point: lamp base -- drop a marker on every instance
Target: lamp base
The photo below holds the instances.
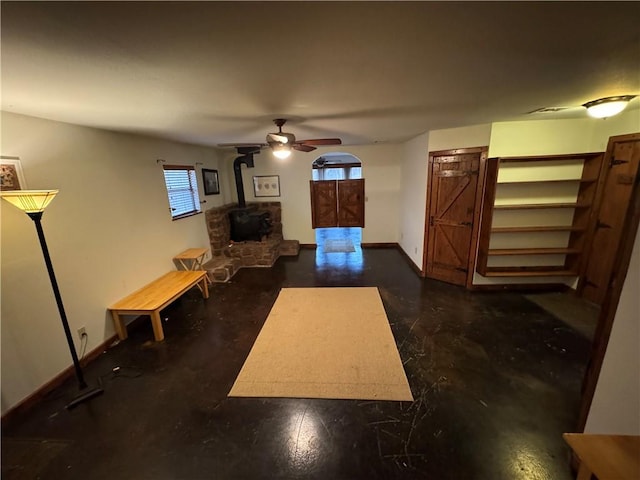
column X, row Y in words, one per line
column 87, row 394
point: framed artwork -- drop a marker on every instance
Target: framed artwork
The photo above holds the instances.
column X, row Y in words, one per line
column 210, row 182
column 266, row 186
column 11, row 176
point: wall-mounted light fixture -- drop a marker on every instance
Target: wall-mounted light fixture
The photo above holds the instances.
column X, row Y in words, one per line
column 608, row 106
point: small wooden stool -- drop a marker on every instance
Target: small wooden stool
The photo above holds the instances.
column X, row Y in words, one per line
column 191, row 260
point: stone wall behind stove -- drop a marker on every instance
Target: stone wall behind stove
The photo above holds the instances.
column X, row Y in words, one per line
column 219, row 227
column 228, row 257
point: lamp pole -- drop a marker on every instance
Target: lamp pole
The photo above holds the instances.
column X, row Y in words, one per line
column 37, row 217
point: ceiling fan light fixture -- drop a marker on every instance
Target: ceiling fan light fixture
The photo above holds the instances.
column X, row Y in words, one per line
column 608, row 106
column 281, row 151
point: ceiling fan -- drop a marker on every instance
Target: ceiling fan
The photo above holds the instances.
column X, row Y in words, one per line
column 281, row 143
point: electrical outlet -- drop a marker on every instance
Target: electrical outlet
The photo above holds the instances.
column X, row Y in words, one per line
column 415, row 250
column 82, row 331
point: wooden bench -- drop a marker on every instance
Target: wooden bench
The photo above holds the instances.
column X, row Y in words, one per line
column 152, row 298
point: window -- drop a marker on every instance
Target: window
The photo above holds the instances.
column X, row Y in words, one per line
column 337, row 172
column 182, row 190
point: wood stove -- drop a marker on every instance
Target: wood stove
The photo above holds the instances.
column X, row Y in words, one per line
column 247, row 224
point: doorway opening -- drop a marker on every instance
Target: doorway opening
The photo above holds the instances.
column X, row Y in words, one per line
column 339, row 247
column 337, row 231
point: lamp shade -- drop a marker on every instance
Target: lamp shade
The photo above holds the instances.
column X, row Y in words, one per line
column 29, row 201
column 608, row 107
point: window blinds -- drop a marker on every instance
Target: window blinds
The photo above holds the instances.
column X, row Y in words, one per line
column 182, row 189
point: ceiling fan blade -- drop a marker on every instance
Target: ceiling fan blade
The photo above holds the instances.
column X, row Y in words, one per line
column 303, row 148
column 321, row 141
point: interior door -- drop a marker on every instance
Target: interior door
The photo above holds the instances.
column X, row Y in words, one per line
column 337, row 203
column 452, row 201
column 351, row 203
column 324, row 204
column 622, row 158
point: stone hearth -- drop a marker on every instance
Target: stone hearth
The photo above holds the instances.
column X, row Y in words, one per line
column 228, row 257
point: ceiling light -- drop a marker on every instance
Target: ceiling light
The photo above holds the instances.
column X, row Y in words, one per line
column 607, row 107
column 282, row 151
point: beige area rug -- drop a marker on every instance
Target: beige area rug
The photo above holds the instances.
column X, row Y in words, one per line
column 325, row 343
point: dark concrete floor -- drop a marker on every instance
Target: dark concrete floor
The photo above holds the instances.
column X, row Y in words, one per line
column 495, row 377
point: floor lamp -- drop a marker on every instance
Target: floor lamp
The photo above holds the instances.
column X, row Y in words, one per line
column 33, row 203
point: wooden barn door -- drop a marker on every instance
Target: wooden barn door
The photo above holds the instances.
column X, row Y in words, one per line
column 337, row 203
column 324, row 204
column 451, row 212
column 351, row 203
column 621, row 161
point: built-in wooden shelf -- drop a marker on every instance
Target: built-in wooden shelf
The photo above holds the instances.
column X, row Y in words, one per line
column 564, row 228
column 534, row 251
column 579, row 232
column 530, row 206
column 547, row 271
column 561, row 180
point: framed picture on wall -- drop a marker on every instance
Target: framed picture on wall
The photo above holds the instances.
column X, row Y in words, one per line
column 11, row 176
column 210, row 182
column 266, row 186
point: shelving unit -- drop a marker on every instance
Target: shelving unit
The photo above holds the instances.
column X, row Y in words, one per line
column 537, row 215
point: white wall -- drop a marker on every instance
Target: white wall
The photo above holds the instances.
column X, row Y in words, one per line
column 413, row 199
column 463, row 137
column 109, row 232
column 615, row 408
column 380, row 169
column 558, row 137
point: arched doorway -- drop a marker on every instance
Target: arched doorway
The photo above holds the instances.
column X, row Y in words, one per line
column 341, row 243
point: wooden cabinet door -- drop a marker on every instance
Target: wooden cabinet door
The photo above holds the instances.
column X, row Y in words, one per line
column 451, row 211
column 622, row 158
column 351, row 203
column 324, row 204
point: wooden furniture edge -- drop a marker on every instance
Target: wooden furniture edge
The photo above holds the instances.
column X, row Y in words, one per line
column 624, row 448
column 29, row 401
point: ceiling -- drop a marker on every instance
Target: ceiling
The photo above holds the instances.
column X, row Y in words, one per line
column 367, row 72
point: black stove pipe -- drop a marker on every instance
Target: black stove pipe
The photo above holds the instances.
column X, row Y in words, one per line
column 247, row 159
